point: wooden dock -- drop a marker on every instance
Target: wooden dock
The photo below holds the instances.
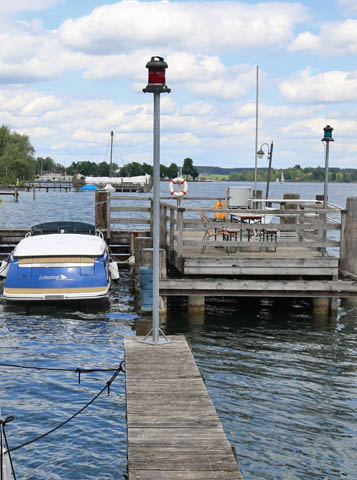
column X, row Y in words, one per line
column 173, row 429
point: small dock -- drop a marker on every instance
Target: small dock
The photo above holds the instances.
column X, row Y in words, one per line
column 14, row 193
column 173, row 429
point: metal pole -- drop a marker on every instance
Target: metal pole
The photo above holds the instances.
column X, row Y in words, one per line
column 111, row 154
column 324, row 232
column 327, row 151
column 270, row 154
column 156, row 221
column 256, row 134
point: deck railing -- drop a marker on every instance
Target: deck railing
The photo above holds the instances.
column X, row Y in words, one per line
column 299, row 223
column 302, row 227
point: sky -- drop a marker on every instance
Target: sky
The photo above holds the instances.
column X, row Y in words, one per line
column 73, row 70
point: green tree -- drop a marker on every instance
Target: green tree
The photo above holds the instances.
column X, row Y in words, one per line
column 172, row 171
column 148, row 169
column 103, row 169
column 163, row 171
column 16, row 156
column 133, row 169
column 189, row 169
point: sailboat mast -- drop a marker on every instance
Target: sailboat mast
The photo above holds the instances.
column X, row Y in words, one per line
column 111, row 154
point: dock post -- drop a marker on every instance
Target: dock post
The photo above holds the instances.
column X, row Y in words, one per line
column 33, row 192
column 163, row 227
column 16, row 195
column 179, row 229
column 101, row 210
column 140, row 244
column 290, row 206
column 147, row 259
column 196, row 303
column 321, row 306
column 333, row 306
column 348, row 255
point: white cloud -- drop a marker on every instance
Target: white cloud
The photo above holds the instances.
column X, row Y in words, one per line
column 348, row 5
column 197, row 27
column 15, row 6
column 333, row 86
column 305, row 41
column 333, row 39
column 28, row 55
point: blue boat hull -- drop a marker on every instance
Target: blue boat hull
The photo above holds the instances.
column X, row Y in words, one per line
column 36, row 282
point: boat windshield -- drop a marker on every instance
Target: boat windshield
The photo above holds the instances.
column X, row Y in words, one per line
column 63, row 227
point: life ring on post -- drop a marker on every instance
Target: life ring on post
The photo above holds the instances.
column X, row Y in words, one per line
column 220, row 216
column 182, row 187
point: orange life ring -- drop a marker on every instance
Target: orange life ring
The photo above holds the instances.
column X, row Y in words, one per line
column 182, row 187
column 220, row 205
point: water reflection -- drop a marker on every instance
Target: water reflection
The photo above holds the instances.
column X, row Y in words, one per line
column 283, row 383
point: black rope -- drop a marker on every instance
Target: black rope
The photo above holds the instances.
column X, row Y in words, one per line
column 107, row 386
column 77, row 370
column 3, row 436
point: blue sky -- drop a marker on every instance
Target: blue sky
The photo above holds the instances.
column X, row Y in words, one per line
column 73, row 70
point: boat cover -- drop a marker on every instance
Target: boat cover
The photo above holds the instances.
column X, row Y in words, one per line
column 58, row 244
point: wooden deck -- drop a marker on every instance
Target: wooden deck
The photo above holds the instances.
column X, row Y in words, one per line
column 173, row 429
column 254, row 258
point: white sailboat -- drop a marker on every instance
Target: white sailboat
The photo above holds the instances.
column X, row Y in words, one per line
column 282, row 177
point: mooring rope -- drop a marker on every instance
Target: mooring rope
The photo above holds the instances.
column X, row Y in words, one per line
column 106, row 387
column 3, row 436
column 54, row 369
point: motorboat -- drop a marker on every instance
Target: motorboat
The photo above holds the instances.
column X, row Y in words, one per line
column 59, row 261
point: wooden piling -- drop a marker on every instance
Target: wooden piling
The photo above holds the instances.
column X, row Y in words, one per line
column 290, row 206
column 196, row 303
column 348, row 255
column 102, row 207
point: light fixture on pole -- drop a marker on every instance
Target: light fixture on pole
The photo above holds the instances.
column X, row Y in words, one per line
column 327, row 138
column 260, row 155
column 156, row 85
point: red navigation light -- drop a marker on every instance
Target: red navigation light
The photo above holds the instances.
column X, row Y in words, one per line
column 156, row 73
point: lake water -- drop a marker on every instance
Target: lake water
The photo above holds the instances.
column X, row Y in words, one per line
column 282, row 381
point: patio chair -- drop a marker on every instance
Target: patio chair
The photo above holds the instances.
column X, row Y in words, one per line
column 209, row 233
column 269, row 234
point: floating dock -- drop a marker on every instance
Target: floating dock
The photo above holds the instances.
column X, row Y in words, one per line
column 173, row 429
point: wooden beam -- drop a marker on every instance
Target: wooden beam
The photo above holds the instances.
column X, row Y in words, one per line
column 274, row 288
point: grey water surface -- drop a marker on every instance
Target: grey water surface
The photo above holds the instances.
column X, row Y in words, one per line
column 282, row 381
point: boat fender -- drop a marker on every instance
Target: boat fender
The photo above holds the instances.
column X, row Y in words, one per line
column 182, row 187
column 114, row 270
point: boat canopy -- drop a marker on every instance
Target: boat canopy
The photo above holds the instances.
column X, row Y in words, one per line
column 58, row 244
column 63, row 227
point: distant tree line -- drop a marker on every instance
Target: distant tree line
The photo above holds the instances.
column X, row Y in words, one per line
column 133, row 169
column 297, row 174
column 17, row 163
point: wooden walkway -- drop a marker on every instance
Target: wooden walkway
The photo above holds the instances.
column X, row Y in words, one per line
column 173, row 429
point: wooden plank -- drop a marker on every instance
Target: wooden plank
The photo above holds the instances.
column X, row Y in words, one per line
column 260, row 244
column 173, row 428
column 254, row 261
column 138, row 221
column 215, row 285
column 328, row 272
column 182, row 475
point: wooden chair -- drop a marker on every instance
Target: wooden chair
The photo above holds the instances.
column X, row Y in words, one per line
column 208, row 232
